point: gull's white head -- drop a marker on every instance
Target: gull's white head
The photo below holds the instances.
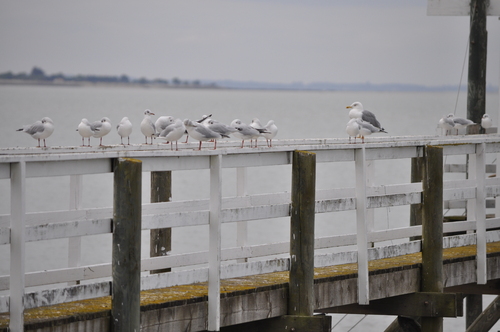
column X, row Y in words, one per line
column 148, row 112
column 356, row 105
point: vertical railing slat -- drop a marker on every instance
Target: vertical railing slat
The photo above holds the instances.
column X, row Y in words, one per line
column 17, row 244
column 481, row 214
column 214, row 255
column 362, row 236
column 75, row 203
column 241, row 227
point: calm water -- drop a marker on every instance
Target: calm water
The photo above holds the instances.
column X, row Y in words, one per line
column 297, row 114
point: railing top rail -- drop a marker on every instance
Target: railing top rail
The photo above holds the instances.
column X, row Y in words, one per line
column 30, row 154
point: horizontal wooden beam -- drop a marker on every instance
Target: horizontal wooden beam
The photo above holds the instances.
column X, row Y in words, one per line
column 424, row 304
column 492, row 287
column 318, row 323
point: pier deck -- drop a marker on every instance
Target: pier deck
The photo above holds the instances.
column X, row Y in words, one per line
column 251, row 298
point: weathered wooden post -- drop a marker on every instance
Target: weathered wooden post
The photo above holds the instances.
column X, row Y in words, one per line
column 160, row 238
column 432, row 230
column 301, row 291
column 478, row 40
column 126, row 255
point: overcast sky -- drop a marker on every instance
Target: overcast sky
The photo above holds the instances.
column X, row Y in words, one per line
column 282, row 41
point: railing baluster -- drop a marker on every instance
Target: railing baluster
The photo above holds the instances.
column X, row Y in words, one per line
column 75, row 203
column 17, row 244
column 362, row 237
column 481, row 214
column 241, row 227
column 214, row 255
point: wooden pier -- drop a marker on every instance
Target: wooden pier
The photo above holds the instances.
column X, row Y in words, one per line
column 420, row 278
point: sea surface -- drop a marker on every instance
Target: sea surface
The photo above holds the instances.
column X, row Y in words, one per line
column 298, row 114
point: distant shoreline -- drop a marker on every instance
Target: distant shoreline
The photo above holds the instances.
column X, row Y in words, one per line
column 250, row 86
column 102, row 84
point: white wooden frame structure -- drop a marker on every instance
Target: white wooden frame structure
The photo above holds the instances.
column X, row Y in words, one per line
column 61, row 286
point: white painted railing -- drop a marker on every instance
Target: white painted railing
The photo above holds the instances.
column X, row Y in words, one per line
column 81, row 282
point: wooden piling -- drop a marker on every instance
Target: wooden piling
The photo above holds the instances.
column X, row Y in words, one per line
column 478, row 40
column 126, row 255
column 301, row 291
column 432, row 230
column 160, row 238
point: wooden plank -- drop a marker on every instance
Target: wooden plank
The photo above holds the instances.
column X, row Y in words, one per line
column 487, row 318
column 68, row 167
column 362, row 238
column 416, row 304
column 214, row 255
column 17, row 244
column 481, row 215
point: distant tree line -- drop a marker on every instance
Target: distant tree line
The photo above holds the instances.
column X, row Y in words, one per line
column 38, row 74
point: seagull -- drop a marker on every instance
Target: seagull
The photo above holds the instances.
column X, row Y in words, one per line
column 162, row 122
column 352, row 129
column 86, row 130
column 39, row 130
column 124, row 129
column 101, row 128
column 272, row 131
column 246, row 132
column 486, row 121
column 173, row 133
column 201, row 133
column 357, row 111
column 460, row 122
column 366, row 129
column 202, row 120
column 446, row 123
column 147, row 126
column 257, row 125
column 219, row 127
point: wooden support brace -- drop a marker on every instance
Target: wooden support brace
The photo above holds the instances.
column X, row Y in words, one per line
column 487, row 318
column 416, row 304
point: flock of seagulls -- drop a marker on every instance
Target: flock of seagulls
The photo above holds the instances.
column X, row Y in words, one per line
column 166, row 128
column 450, row 122
column 362, row 123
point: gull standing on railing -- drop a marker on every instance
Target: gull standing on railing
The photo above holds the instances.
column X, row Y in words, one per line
column 357, row 111
column 201, row 133
column 173, row 133
column 39, row 130
column 272, row 131
column 147, row 126
column 85, row 130
column 124, row 129
column 101, row 128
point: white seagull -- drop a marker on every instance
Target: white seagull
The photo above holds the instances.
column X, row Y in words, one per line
column 352, row 129
column 460, row 122
column 85, row 130
column 366, row 129
column 446, row 123
column 202, row 120
column 201, row 133
column 246, row 132
column 147, row 126
column 39, row 130
column 163, row 122
column 173, row 133
column 486, row 121
column 124, row 129
column 101, row 128
column 357, row 111
column 219, row 127
column 272, row 131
